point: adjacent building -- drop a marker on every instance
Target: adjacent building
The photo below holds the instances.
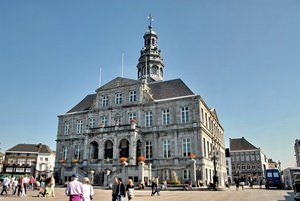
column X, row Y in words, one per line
column 246, row 159
column 1, row 161
column 29, row 159
column 133, row 126
column 297, row 152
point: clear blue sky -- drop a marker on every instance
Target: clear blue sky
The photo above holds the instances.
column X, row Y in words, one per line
column 241, row 56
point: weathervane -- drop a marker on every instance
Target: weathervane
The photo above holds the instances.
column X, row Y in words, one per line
column 150, row 21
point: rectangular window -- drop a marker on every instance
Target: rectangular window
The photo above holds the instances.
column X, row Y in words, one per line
column 66, row 128
column 132, row 116
column 46, row 159
column 165, row 117
column 206, row 119
column 148, row 150
column 132, row 96
column 79, row 126
column 204, row 147
column 148, row 119
column 105, row 101
column 92, row 122
column 166, row 148
column 186, row 147
column 242, row 157
column 77, row 152
column 64, row 153
column 104, row 121
column 185, row 115
column 118, row 98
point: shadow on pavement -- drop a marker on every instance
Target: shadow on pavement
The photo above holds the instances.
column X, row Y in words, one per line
column 288, row 197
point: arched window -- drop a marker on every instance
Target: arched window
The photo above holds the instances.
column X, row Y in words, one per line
column 108, row 150
column 154, row 70
column 94, row 150
column 124, row 148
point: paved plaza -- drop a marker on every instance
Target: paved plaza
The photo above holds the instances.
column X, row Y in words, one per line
column 231, row 194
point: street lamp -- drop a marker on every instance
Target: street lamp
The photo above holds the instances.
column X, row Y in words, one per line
column 108, row 171
column 214, row 154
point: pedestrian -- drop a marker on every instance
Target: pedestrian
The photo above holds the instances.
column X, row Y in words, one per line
column 88, row 190
column 130, row 189
column 31, row 183
column 14, row 186
column 52, row 185
column 5, row 184
column 121, row 190
column 155, row 186
column 114, row 189
column 243, row 182
column 260, row 182
column 74, row 189
column 237, row 183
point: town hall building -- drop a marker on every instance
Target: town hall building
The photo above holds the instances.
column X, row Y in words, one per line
column 141, row 128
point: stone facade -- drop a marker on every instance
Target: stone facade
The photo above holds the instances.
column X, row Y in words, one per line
column 163, row 121
column 246, row 159
column 29, row 159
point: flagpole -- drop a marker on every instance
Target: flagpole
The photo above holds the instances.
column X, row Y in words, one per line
column 122, row 75
column 100, row 77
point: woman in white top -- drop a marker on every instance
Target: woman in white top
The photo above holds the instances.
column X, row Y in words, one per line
column 88, row 190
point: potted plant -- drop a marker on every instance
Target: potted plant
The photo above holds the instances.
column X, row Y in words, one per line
column 141, row 158
column 133, row 123
column 193, row 156
column 123, row 159
column 62, row 161
column 75, row 161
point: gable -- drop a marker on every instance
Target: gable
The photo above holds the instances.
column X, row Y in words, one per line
column 118, row 82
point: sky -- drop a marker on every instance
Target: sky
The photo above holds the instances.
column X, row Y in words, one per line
column 240, row 56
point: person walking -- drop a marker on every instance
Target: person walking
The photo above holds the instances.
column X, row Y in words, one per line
column 74, row 189
column 52, row 185
column 88, row 190
column 121, row 190
column 5, row 184
column 237, row 183
column 114, row 189
column 130, row 189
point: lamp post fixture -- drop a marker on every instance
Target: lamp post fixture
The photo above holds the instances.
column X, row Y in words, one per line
column 214, row 154
column 108, row 171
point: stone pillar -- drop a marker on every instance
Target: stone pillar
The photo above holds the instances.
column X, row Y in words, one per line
column 193, row 176
column 132, row 148
column 141, row 172
column 86, row 151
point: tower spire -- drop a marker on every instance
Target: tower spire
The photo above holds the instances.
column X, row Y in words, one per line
column 150, row 21
column 150, row 66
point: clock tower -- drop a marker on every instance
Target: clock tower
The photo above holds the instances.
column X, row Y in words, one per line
column 150, row 66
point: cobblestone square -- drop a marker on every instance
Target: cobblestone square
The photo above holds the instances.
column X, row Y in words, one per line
column 231, row 194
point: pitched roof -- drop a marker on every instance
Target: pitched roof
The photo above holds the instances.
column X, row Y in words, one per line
column 38, row 148
column 85, row 104
column 240, row 144
column 169, row 89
